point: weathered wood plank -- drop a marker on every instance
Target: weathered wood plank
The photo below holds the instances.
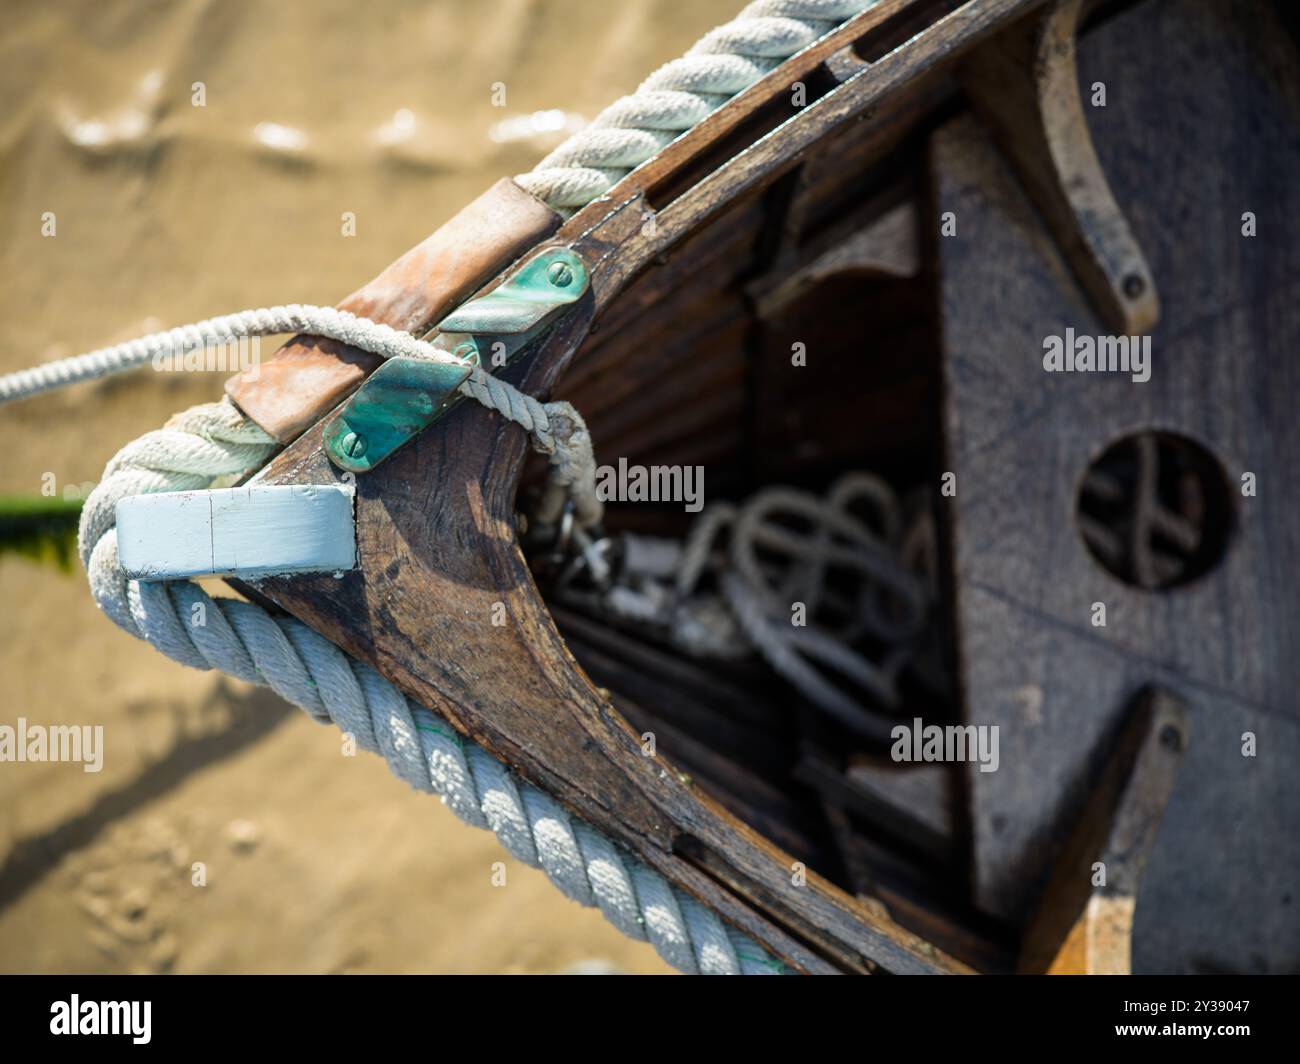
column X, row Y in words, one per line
column 1084, row 923
column 1195, row 132
column 308, row 376
column 436, row 535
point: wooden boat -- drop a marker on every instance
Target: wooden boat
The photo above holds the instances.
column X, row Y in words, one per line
column 915, row 222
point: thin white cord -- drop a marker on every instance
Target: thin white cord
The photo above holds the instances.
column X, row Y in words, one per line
column 215, row 440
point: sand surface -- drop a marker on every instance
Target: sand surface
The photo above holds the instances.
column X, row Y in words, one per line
column 166, row 212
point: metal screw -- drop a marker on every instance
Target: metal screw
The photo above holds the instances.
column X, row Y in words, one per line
column 560, row 275
column 1134, row 285
column 1171, row 738
column 353, row 445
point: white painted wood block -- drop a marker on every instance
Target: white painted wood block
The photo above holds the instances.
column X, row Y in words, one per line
column 248, row 532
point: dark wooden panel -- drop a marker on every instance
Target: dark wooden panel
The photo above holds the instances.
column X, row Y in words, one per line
column 1200, row 126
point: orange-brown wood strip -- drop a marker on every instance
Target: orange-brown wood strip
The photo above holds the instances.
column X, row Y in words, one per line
column 309, row 376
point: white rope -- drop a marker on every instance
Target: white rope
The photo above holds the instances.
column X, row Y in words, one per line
column 557, row 429
column 242, row 639
column 216, row 440
column 269, row 321
column 680, row 95
column 199, row 446
column 765, row 566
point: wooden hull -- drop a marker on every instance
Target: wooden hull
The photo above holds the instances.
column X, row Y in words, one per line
column 770, row 226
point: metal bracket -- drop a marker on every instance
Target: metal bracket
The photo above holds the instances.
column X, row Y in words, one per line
column 1025, row 83
column 405, row 396
column 399, row 400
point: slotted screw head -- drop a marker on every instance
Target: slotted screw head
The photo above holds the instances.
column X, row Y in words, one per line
column 353, row 445
column 560, row 275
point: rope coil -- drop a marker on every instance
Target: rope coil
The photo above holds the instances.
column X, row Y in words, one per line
column 761, row 563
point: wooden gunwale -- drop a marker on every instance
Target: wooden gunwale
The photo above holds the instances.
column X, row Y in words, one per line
column 441, row 515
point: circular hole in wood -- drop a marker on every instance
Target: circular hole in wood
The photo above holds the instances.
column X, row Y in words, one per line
column 1155, row 510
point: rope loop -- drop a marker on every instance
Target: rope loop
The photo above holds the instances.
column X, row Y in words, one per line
column 207, row 443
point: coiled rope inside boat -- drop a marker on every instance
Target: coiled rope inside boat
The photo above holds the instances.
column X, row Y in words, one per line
column 205, row 443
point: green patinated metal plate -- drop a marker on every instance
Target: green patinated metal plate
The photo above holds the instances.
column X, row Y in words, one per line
column 404, row 396
column 401, row 398
column 500, row 324
column 554, row 278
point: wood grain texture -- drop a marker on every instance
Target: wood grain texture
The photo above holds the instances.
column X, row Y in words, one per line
column 435, row 531
column 1197, row 130
column 309, row 376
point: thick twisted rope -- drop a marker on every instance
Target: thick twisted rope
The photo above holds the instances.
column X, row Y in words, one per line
column 209, row 442
column 556, row 429
column 206, row 443
column 680, row 95
column 674, row 99
column 216, row 440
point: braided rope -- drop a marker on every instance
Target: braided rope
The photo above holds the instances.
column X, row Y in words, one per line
column 756, row 604
column 680, row 95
